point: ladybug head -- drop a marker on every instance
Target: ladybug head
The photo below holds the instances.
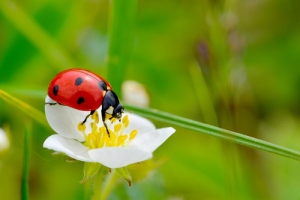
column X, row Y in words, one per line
column 118, row 111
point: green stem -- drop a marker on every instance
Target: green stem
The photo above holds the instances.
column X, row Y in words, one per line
column 24, row 189
column 98, row 183
column 109, row 183
column 214, row 131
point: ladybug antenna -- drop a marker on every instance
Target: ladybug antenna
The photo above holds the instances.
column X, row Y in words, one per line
column 127, row 112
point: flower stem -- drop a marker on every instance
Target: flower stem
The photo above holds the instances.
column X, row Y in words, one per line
column 98, row 183
column 109, row 183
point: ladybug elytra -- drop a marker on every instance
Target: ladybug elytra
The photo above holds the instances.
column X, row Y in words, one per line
column 84, row 90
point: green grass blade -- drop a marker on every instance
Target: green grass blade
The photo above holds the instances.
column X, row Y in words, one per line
column 24, row 189
column 203, row 95
column 121, row 36
column 214, row 131
column 198, row 127
column 31, row 111
column 36, row 34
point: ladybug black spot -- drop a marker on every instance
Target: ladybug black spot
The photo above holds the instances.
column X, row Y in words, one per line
column 55, row 90
column 78, row 81
column 102, row 85
column 80, row 100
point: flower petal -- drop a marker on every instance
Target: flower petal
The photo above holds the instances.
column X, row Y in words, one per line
column 142, row 125
column 71, row 147
column 116, row 157
column 64, row 120
column 150, row 141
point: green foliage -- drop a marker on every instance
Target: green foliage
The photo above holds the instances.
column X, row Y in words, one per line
column 121, row 40
column 124, row 174
column 230, row 64
column 90, row 170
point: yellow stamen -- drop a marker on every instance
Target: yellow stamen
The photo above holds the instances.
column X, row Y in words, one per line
column 133, row 134
column 92, row 138
column 121, row 140
column 81, row 127
column 125, row 121
column 94, row 128
column 95, row 117
column 98, row 138
column 105, row 140
column 102, row 129
column 118, row 127
column 112, row 136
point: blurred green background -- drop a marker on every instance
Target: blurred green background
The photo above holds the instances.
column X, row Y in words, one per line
column 232, row 64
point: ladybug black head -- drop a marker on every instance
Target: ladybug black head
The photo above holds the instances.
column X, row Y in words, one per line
column 118, row 111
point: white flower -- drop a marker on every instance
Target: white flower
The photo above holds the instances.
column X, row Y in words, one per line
column 4, row 142
column 128, row 143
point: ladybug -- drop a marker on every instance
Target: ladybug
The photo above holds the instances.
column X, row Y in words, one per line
column 84, row 90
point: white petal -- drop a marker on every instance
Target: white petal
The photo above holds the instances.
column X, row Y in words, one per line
column 64, row 120
column 116, row 157
column 150, row 141
column 71, row 147
column 139, row 123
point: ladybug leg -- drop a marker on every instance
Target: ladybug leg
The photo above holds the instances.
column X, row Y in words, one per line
column 106, row 129
column 103, row 120
column 92, row 112
column 51, row 104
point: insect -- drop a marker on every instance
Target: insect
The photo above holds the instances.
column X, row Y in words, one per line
column 84, row 90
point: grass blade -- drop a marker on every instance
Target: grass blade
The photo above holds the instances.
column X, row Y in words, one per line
column 31, row 111
column 24, row 189
column 121, row 35
column 214, row 131
column 199, row 127
column 36, row 34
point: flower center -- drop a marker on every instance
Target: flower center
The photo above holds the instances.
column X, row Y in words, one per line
column 98, row 138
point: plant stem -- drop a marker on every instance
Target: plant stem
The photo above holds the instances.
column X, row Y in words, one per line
column 98, row 183
column 24, row 189
column 109, row 183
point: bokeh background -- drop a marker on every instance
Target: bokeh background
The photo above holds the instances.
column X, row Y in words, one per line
column 232, row 64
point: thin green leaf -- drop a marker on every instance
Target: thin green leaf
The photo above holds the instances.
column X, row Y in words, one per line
column 121, row 36
column 24, row 189
column 36, row 34
column 203, row 95
column 214, row 131
column 31, row 111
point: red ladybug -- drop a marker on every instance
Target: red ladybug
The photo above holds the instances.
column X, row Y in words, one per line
column 86, row 91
